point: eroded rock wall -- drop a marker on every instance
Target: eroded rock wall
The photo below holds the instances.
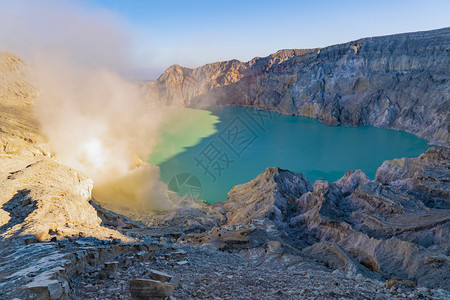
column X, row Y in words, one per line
column 388, row 227
column 398, row 81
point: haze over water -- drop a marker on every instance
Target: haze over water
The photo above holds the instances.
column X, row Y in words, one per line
column 247, row 141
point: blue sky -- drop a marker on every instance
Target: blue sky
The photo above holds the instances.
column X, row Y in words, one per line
column 152, row 35
column 192, row 33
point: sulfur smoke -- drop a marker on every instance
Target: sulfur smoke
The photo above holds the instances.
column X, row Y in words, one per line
column 95, row 121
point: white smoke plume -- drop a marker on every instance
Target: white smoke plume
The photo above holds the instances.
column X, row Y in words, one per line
column 95, row 120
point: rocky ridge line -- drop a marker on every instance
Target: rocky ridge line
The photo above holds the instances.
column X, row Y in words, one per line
column 397, row 81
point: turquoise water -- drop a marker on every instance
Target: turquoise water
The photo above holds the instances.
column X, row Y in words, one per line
column 183, row 127
column 247, row 141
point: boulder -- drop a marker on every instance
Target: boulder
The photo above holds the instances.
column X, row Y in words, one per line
column 148, row 289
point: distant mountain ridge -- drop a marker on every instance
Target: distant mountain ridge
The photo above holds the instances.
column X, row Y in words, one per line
column 398, row 81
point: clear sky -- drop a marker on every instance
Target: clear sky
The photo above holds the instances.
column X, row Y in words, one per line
column 192, row 33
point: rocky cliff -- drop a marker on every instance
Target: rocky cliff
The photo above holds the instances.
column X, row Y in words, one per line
column 393, row 226
column 399, row 81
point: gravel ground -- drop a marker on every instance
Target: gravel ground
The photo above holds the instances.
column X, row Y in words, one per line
column 206, row 274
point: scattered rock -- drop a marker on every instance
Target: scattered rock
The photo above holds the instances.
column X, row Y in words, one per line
column 110, row 269
column 147, row 288
column 398, row 283
column 160, row 276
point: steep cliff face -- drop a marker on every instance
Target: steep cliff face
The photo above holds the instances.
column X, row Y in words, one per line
column 183, row 86
column 398, row 81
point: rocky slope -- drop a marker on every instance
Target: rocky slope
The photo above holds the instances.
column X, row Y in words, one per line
column 19, row 132
column 199, row 273
column 279, row 236
column 395, row 228
column 381, row 227
column 40, row 199
column 399, row 81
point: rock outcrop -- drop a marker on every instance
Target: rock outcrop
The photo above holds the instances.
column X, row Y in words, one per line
column 383, row 228
column 19, row 129
column 425, row 176
column 270, row 195
column 399, row 81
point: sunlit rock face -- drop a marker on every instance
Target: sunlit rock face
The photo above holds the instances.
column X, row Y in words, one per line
column 184, row 86
column 19, row 132
column 38, row 196
column 398, row 81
